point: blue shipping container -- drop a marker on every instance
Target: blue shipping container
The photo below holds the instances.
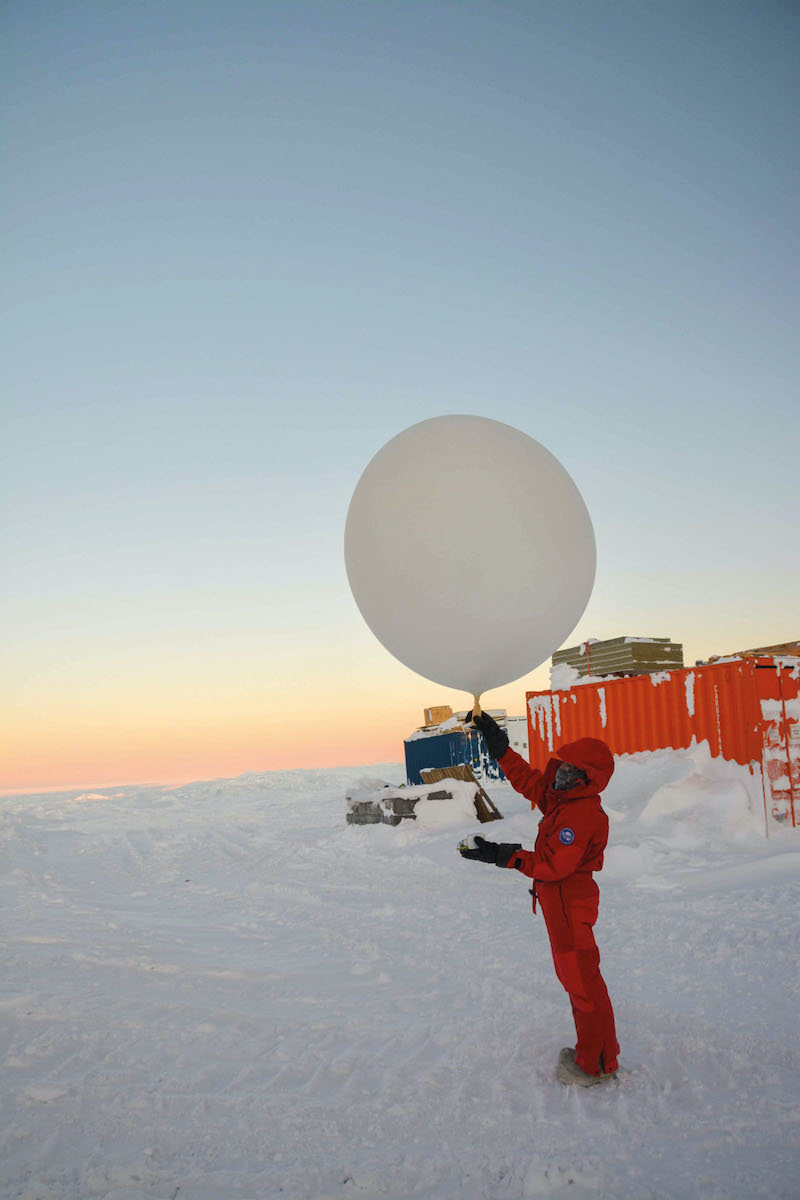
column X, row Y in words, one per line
column 449, row 750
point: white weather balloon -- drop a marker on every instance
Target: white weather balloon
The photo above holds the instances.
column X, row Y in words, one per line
column 469, row 551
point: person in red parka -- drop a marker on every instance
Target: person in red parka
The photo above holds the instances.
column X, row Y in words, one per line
column 573, row 833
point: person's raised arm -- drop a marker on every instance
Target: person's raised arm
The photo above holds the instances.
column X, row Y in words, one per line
column 525, row 779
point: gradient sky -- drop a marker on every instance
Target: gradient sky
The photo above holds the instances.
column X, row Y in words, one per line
column 247, row 243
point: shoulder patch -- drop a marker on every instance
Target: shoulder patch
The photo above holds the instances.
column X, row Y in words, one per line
column 566, row 836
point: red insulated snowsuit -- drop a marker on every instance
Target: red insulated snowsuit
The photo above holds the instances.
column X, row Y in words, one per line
column 572, row 836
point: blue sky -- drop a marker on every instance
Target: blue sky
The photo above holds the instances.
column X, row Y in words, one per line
column 248, row 243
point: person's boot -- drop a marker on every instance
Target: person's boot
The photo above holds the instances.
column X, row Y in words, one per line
column 568, row 1070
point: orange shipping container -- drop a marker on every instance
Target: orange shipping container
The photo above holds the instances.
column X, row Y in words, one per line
column 748, row 710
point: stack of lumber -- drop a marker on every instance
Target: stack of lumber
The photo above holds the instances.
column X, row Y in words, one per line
column 623, row 656
column 790, row 649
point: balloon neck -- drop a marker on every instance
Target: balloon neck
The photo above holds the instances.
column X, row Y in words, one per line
column 476, row 706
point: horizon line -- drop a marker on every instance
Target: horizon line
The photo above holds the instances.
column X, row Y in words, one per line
column 50, row 789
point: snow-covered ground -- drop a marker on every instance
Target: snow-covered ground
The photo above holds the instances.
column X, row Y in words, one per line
column 221, row 992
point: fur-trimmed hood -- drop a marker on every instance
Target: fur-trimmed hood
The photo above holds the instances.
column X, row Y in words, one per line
column 592, row 756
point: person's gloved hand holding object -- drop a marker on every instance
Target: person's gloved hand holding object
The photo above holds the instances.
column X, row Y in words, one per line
column 498, row 853
column 496, row 738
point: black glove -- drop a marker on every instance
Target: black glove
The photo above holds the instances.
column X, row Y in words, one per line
column 491, row 852
column 496, row 738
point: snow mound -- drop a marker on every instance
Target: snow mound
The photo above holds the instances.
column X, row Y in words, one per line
column 453, row 814
column 678, row 808
column 714, row 807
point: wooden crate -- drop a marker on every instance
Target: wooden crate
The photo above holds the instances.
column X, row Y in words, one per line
column 437, row 714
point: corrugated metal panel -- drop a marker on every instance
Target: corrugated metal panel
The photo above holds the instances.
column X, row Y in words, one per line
column 778, row 696
column 719, row 703
column 448, row 750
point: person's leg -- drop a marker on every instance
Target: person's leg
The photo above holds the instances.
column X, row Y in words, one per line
column 577, row 963
column 597, row 1047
